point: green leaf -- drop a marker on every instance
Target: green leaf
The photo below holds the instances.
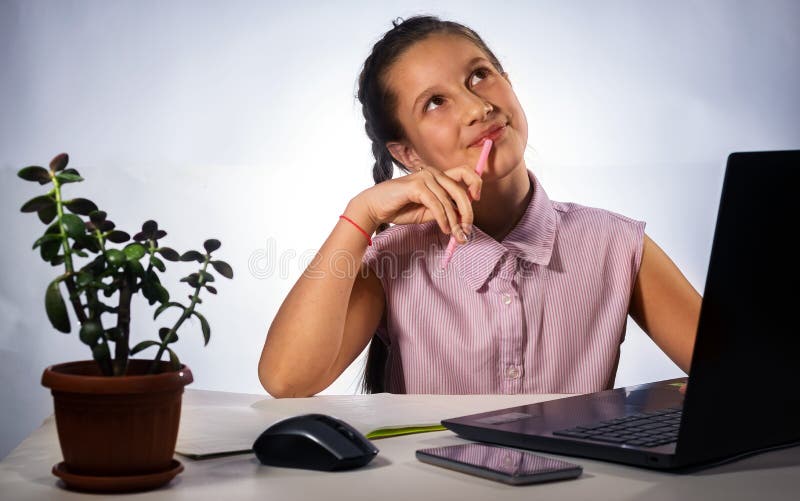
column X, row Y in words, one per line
column 164, row 332
column 193, row 279
column 136, row 267
column 118, row 237
column 83, row 279
column 59, row 162
column 34, row 173
column 53, row 229
column 50, row 249
column 173, row 360
column 163, row 294
column 211, row 245
column 73, row 225
column 192, row 256
column 164, row 306
column 69, row 176
column 114, row 334
column 134, row 251
column 97, row 216
column 115, row 257
column 212, row 290
column 57, row 260
column 47, row 214
column 91, row 332
column 82, row 206
column 204, row 325
column 149, row 228
column 97, row 266
column 144, row 345
column 100, row 352
column 56, row 308
column 149, row 290
column 48, row 237
column 159, row 264
column 92, row 244
column 37, row 203
column 169, row 254
column 223, row 268
column 207, row 277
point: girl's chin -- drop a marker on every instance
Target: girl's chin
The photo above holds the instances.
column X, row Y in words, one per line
column 500, row 165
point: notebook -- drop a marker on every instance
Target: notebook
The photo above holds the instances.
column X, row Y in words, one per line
column 742, row 395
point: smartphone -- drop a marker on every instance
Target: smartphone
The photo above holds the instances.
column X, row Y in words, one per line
column 510, row 466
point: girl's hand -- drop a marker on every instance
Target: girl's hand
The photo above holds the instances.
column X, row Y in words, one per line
column 426, row 195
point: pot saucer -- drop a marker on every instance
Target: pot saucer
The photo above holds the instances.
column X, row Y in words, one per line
column 122, row 483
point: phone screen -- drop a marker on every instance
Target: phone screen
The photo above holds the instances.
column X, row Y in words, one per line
column 499, row 463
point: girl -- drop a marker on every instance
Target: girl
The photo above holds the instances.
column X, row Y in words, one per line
column 536, row 296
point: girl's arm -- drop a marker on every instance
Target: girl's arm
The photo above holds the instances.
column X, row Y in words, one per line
column 328, row 317
column 332, row 311
column 665, row 305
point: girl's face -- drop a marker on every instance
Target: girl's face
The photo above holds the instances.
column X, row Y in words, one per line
column 448, row 96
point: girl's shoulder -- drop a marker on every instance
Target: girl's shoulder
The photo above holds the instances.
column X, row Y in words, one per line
column 571, row 213
column 589, row 229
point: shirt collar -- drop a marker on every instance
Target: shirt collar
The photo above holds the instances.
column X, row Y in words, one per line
column 531, row 239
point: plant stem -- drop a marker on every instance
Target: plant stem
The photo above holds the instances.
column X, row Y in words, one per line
column 186, row 314
column 91, row 292
column 124, row 326
column 69, row 281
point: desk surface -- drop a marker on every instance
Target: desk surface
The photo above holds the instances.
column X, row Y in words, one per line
column 396, row 474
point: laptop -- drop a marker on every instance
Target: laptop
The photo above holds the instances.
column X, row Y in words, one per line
column 743, row 393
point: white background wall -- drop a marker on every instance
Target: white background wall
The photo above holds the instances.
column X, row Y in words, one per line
column 237, row 120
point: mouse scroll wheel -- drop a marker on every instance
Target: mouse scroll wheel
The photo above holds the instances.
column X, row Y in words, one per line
column 344, row 431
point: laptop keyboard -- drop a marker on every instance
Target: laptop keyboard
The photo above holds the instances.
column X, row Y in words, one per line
column 645, row 429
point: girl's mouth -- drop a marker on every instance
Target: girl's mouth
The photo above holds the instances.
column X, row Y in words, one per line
column 494, row 135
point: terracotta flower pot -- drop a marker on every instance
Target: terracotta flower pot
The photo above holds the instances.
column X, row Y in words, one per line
column 116, row 433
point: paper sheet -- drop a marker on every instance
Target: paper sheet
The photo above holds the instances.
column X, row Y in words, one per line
column 213, row 430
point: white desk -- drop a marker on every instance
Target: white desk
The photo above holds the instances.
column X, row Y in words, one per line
column 396, row 474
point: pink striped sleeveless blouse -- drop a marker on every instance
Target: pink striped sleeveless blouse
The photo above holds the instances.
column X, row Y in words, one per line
column 543, row 311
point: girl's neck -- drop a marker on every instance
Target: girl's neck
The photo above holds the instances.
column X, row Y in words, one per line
column 503, row 203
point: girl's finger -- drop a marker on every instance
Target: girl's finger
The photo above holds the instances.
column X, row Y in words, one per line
column 432, row 183
column 460, row 197
column 469, row 177
column 426, row 198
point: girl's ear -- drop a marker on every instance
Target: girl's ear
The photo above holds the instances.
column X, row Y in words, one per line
column 404, row 154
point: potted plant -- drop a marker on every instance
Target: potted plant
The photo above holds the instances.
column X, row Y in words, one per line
column 117, row 417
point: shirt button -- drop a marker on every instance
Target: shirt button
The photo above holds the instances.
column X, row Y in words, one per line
column 506, row 298
column 513, row 372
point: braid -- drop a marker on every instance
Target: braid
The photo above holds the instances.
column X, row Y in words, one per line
column 383, row 169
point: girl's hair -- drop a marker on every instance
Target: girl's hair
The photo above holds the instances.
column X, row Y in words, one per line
column 381, row 124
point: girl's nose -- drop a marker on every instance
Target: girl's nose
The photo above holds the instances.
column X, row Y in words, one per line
column 475, row 108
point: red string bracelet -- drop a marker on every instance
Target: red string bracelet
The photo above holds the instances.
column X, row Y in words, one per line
column 369, row 240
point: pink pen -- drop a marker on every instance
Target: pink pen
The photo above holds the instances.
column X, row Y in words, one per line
column 451, row 246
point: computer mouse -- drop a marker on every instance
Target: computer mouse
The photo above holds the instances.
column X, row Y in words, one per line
column 313, row 442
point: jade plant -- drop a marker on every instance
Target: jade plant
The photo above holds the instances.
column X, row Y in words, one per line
column 102, row 264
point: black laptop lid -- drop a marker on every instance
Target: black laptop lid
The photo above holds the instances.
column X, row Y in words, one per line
column 744, row 387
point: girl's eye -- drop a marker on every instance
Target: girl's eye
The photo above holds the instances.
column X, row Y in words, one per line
column 481, row 72
column 431, row 101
